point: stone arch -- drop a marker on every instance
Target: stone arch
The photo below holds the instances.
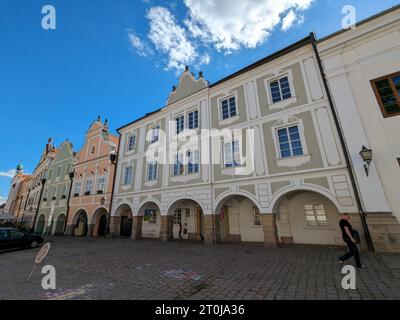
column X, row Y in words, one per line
column 307, row 216
column 99, row 221
column 80, row 223
column 59, row 225
column 121, row 221
column 148, row 220
column 283, row 192
column 187, row 219
column 239, row 217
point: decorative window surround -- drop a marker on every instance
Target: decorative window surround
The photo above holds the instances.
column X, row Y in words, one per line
column 283, row 103
column 155, row 133
column 230, row 119
column 150, row 183
column 295, row 161
column 130, row 145
column 186, row 177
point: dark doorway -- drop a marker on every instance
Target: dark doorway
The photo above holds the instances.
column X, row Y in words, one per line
column 102, row 226
column 126, row 227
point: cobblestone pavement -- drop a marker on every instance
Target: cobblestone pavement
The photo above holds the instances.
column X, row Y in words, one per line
column 89, row 268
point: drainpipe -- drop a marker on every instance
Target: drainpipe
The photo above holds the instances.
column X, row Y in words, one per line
column 40, row 201
column 115, row 162
column 71, row 177
column 343, row 143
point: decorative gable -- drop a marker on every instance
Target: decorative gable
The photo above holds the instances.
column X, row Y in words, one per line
column 188, row 85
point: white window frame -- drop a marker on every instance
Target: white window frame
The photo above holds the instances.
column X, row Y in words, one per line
column 188, row 118
column 289, row 141
column 78, row 187
column 148, row 171
column 283, row 103
column 125, row 182
column 197, row 159
column 224, row 162
column 128, row 144
column 103, row 186
column 152, row 130
column 180, row 116
column 86, row 185
column 179, row 156
column 315, row 215
column 220, row 113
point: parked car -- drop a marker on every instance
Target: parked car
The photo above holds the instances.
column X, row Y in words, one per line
column 11, row 238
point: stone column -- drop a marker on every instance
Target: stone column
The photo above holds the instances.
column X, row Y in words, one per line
column 166, row 229
column 70, row 230
column 211, row 229
column 136, row 228
column 90, row 230
column 114, row 226
column 270, row 230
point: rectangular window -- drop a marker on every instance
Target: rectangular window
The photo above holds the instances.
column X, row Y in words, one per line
column 128, row 176
column 78, row 188
column 232, row 154
column 152, row 171
column 228, row 108
column 315, row 215
column 101, row 183
column 180, row 124
column 256, row 218
column 59, row 171
column 290, row 142
column 155, row 134
column 193, row 161
column 64, row 192
column 387, row 92
column 178, row 216
column 178, row 165
column 131, row 142
column 89, row 186
column 280, row 89
column 193, row 119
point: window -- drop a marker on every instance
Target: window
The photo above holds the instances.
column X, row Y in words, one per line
column 228, row 108
column 152, row 171
column 290, row 142
column 150, row 216
column 154, row 134
column 193, row 163
column 180, row 124
column 46, row 192
column 232, row 154
column 387, row 92
column 64, row 192
column 178, row 165
column 78, row 188
column 193, row 119
column 89, row 186
column 101, row 183
column 128, row 175
column 59, row 171
column 68, row 169
column 50, row 173
column 280, row 89
column 315, row 215
column 131, row 142
column 178, row 216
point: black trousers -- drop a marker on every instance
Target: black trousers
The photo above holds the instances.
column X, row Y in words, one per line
column 353, row 252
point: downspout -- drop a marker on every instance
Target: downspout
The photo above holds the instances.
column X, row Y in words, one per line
column 113, row 187
column 71, row 177
column 343, row 143
column 40, row 202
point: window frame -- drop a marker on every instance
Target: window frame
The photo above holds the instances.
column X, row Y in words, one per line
column 86, row 185
column 193, row 111
column 221, row 100
column 124, row 180
column 148, row 171
column 190, row 154
column 315, row 215
column 378, row 97
column 152, row 129
column 179, row 116
column 278, row 79
column 287, row 127
column 233, row 163
column 128, row 142
column 103, row 189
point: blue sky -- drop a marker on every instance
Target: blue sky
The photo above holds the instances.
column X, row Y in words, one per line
column 119, row 59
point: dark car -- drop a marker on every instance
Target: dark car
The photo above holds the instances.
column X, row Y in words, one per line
column 11, row 238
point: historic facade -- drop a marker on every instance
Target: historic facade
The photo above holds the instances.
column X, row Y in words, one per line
column 363, row 71
column 15, row 195
column 52, row 215
column 90, row 201
column 32, row 189
column 254, row 157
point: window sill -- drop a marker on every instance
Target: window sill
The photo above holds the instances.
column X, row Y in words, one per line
column 126, row 187
column 130, row 152
column 231, row 171
column 293, row 161
column 185, row 177
column 282, row 104
column 150, row 183
column 229, row 120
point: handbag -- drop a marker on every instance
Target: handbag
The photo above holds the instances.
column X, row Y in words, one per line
column 356, row 236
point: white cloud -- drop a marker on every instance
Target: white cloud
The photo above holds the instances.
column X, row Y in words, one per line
column 232, row 24
column 170, row 38
column 141, row 48
column 287, row 21
column 8, row 174
column 2, row 200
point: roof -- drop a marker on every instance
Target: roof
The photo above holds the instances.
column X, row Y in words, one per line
column 254, row 65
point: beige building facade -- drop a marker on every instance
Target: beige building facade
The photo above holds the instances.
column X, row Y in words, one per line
column 254, row 157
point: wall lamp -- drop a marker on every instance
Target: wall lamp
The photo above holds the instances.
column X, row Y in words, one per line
column 366, row 156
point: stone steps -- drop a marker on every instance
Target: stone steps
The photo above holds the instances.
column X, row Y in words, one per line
column 385, row 232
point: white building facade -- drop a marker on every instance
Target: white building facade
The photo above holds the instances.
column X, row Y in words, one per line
column 268, row 168
column 362, row 68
